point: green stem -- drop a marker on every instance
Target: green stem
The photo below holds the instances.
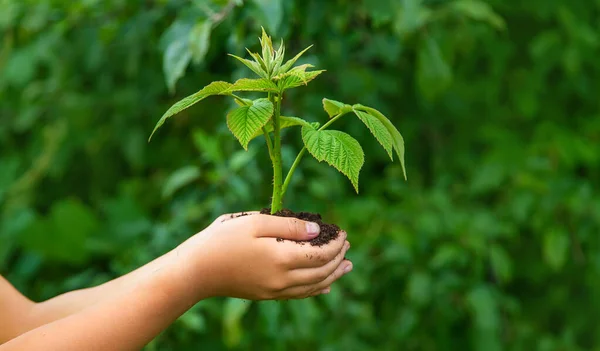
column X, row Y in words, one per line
column 276, row 203
column 269, row 144
column 239, row 99
column 333, row 119
column 288, row 177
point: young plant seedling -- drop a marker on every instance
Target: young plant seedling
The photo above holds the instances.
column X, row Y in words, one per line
column 262, row 117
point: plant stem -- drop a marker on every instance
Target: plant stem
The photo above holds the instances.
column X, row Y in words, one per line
column 239, row 99
column 276, row 203
column 269, row 144
column 291, row 171
column 288, row 177
column 333, row 119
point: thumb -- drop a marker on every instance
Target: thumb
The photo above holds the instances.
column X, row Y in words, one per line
column 284, row 227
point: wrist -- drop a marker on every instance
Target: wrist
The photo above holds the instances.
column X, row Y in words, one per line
column 188, row 274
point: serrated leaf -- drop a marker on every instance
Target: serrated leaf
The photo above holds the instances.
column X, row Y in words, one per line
column 289, row 63
column 247, row 84
column 259, row 60
column 267, row 48
column 279, row 54
column 245, row 121
column 378, row 129
column 298, row 71
column 214, row 88
column 293, row 81
column 398, row 140
column 334, row 108
column 254, row 66
column 284, row 122
column 338, row 149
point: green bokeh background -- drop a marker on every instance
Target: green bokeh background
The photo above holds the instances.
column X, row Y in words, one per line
column 492, row 244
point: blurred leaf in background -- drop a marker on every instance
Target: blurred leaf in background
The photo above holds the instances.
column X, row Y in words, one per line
column 492, row 244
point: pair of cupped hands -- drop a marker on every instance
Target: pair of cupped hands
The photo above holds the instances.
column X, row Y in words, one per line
column 240, row 256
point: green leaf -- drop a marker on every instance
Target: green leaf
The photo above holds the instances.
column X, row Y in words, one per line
column 500, row 263
column 484, row 306
column 245, row 121
column 338, row 149
column 298, row 71
column 278, row 60
column 193, row 320
column 254, row 66
column 261, row 84
column 398, row 140
column 62, row 236
column 284, row 122
column 176, row 58
column 419, row 288
column 179, row 179
column 555, row 248
column 234, row 310
column 378, row 129
column 334, row 108
column 411, row 17
column 480, row 11
column 433, row 72
column 260, row 61
column 214, row 88
column 289, row 63
column 242, row 101
column 297, row 79
column 177, row 54
column 267, row 49
column 270, row 13
column 200, row 40
column 381, row 11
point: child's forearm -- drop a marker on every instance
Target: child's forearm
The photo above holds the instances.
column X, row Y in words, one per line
column 75, row 301
column 127, row 318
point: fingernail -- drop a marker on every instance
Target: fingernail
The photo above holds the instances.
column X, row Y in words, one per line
column 326, row 291
column 348, row 268
column 312, row 229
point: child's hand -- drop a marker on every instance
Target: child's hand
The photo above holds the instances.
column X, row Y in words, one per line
column 240, row 257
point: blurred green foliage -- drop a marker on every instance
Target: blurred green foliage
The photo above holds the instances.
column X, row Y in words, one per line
column 492, row 243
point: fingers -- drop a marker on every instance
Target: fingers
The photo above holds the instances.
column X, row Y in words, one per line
column 305, row 276
column 284, row 227
column 227, row 216
column 300, row 292
column 308, row 256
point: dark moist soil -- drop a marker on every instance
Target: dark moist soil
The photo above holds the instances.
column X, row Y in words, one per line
column 328, row 231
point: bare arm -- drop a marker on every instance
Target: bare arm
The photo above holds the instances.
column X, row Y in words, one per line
column 14, row 311
column 237, row 258
column 126, row 320
column 75, row 301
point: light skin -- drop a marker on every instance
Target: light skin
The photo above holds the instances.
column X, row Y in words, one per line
column 234, row 256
